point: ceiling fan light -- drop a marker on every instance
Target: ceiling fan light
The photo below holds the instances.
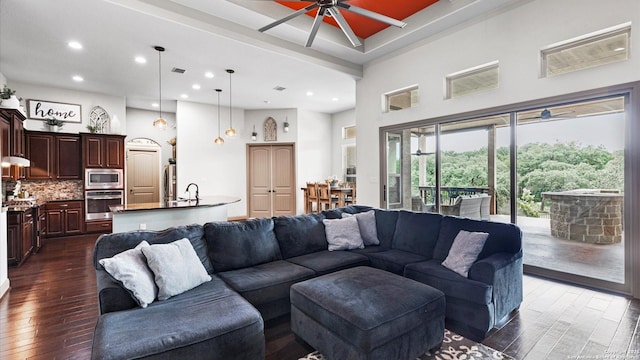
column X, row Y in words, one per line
column 160, row 123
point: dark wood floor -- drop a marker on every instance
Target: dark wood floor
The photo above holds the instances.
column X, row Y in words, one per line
column 51, row 311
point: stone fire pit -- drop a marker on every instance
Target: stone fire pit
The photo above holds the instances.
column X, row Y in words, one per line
column 584, row 215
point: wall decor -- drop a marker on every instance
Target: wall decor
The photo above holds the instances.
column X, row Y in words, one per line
column 99, row 120
column 270, row 130
column 44, row 110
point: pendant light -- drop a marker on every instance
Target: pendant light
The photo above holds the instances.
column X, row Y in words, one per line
column 231, row 132
column 160, row 123
column 219, row 140
column 285, row 126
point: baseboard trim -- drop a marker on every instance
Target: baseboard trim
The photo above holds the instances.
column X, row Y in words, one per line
column 4, row 288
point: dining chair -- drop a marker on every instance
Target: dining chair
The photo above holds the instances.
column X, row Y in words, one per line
column 324, row 197
column 312, row 197
column 350, row 199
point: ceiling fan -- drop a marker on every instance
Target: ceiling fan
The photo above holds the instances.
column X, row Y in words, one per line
column 546, row 115
column 332, row 8
column 421, row 153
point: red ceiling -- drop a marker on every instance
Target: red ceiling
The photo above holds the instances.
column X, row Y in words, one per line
column 363, row 26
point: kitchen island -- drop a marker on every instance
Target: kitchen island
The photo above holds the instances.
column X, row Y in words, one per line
column 165, row 214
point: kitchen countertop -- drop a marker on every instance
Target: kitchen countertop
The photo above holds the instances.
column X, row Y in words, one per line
column 208, row 201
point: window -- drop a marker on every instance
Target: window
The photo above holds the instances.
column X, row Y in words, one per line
column 469, row 81
column 595, row 49
column 349, row 132
column 401, row 99
column 349, row 163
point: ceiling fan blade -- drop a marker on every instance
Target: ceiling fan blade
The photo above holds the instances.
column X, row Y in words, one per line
column 288, row 17
column 337, row 16
column 372, row 15
column 316, row 25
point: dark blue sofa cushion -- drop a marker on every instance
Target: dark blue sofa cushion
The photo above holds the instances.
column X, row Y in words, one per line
column 417, row 232
column 268, row 282
column 503, row 237
column 109, row 245
column 386, row 226
column 393, row 260
column 324, row 262
column 351, row 209
column 300, row 235
column 240, row 244
column 187, row 326
column 450, row 283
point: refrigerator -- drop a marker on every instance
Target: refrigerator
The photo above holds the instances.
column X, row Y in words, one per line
column 170, row 182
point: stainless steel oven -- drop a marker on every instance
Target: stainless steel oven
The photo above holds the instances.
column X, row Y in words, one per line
column 103, row 179
column 97, row 203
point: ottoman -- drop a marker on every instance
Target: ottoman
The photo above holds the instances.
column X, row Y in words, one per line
column 367, row 313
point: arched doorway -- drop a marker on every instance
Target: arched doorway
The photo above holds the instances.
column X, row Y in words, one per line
column 143, row 171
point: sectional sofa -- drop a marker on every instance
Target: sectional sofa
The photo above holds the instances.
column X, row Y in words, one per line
column 253, row 264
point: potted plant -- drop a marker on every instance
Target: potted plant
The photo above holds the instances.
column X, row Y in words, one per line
column 54, row 124
column 9, row 99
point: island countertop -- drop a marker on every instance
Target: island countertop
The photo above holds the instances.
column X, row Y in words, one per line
column 208, row 201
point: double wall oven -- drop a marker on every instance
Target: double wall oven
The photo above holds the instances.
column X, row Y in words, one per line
column 103, row 188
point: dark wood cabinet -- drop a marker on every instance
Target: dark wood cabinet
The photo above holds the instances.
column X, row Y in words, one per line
column 19, row 236
column 13, row 144
column 53, row 156
column 64, row 218
column 100, row 226
column 102, row 151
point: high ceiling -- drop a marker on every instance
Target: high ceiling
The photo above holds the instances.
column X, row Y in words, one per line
column 208, row 36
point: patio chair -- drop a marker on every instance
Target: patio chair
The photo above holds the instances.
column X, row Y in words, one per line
column 467, row 206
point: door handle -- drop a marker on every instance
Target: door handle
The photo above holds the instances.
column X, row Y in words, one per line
column 130, row 191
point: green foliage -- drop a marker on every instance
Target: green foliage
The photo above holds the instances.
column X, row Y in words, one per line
column 6, row 92
column 527, row 204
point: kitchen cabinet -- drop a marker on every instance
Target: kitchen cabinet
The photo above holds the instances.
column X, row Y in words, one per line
column 100, row 226
column 11, row 125
column 53, row 156
column 102, row 151
column 39, row 227
column 19, row 236
column 64, row 218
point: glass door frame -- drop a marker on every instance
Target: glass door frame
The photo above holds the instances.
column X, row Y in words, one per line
column 631, row 93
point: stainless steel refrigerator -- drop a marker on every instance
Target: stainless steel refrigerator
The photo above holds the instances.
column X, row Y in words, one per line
column 170, row 182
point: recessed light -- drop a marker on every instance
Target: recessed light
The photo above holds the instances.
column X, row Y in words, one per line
column 140, row 60
column 208, row 75
column 195, row 87
column 74, row 45
column 309, row 93
column 155, row 105
column 184, row 96
column 77, row 78
column 335, row 99
column 618, row 49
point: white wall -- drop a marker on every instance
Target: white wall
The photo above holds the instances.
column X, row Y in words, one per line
column 217, row 169
column 140, row 125
column 114, row 105
column 514, row 37
column 315, row 148
column 339, row 121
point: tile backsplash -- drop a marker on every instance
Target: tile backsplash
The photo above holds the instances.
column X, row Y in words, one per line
column 47, row 190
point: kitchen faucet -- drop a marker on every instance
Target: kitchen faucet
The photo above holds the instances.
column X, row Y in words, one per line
column 196, row 185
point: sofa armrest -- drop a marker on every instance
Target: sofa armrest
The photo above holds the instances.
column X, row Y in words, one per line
column 111, row 296
column 503, row 271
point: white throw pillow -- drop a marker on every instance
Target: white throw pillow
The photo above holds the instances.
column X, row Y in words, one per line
column 176, row 267
column 464, row 251
column 367, row 225
column 129, row 268
column 343, row 234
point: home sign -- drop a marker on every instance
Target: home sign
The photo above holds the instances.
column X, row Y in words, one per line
column 44, row 110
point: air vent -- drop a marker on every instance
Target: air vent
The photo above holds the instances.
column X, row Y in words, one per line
column 178, row 70
column 279, row 88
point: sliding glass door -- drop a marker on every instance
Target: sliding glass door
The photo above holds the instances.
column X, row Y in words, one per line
column 557, row 171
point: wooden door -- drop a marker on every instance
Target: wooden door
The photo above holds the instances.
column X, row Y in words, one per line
column 271, row 180
column 68, row 152
column 143, row 175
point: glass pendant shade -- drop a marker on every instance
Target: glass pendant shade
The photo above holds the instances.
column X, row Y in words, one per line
column 219, row 140
column 230, row 132
column 160, row 123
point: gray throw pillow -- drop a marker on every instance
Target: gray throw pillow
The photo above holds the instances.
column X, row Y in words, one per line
column 176, row 267
column 129, row 268
column 367, row 225
column 343, row 234
column 464, row 251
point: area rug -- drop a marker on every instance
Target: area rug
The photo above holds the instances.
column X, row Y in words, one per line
column 454, row 347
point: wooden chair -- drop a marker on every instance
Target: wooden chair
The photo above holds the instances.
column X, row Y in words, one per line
column 350, row 199
column 312, row 198
column 324, row 197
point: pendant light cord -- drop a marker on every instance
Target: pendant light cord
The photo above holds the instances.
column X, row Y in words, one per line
column 219, row 91
column 230, row 71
